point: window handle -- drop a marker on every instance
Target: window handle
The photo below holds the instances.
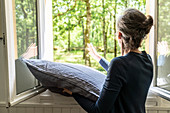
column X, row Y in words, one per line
column 3, row 38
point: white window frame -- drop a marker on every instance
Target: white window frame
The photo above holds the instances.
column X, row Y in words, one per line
column 12, row 98
column 153, row 50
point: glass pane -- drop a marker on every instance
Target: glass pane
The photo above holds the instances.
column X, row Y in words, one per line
column 26, row 41
column 163, row 46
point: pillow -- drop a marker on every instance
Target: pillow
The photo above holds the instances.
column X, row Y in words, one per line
column 77, row 78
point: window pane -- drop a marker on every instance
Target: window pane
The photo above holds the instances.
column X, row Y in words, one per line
column 163, row 46
column 26, row 41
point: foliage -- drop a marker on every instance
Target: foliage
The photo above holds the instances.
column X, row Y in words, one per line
column 76, row 57
column 72, row 20
column 26, row 24
column 70, row 15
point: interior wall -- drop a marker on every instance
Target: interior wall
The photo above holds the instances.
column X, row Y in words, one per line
column 0, row 19
column 2, row 72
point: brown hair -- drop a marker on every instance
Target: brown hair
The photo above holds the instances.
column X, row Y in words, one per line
column 134, row 26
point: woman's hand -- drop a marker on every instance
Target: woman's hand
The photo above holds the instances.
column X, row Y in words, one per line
column 163, row 48
column 31, row 51
column 67, row 91
column 93, row 52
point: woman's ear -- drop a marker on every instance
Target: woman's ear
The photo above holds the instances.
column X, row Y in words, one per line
column 119, row 35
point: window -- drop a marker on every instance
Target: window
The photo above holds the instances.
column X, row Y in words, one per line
column 25, row 41
column 163, row 45
column 161, row 49
column 28, row 34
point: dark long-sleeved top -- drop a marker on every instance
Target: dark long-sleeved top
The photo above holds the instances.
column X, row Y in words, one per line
column 126, row 85
column 104, row 63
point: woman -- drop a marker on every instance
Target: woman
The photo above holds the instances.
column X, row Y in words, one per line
column 128, row 76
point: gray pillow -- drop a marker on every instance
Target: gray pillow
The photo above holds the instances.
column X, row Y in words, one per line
column 77, row 78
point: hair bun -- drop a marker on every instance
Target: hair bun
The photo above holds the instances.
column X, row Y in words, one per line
column 148, row 23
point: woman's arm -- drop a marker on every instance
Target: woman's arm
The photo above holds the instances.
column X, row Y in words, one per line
column 109, row 93
column 85, row 103
column 104, row 63
column 92, row 51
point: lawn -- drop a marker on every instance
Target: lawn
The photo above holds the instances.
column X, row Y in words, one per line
column 76, row 57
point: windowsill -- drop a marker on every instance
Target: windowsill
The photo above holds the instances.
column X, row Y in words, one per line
column 161, row 92
column 49, row 99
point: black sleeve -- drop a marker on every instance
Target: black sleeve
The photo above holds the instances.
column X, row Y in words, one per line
column 109, row 93
column 85, row 103
column 104, row 63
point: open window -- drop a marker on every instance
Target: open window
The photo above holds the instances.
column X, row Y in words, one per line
column 25, row 33
column 161, row 51
column 26, row 42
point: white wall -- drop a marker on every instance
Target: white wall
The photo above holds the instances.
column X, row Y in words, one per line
column 2, row 63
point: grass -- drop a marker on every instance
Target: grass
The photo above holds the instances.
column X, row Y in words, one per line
column 76, row 57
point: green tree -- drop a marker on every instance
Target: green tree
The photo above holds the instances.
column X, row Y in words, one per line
column 78, row 22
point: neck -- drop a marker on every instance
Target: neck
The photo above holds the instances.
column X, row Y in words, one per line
column 135, row 50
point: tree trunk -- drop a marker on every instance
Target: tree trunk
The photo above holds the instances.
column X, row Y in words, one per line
column 83, row 39
column 115, row 41
column 98, row 38
column 69, row 23
column 94, row 31
column 22, row 49
column 87, row 32
column 27, row 37
column 110, row 24
column 104, row 32
column 69, row 39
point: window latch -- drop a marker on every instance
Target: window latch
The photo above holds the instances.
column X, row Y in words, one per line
column 3, row 38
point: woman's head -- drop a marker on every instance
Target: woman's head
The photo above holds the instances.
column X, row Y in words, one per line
column 133, row 27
